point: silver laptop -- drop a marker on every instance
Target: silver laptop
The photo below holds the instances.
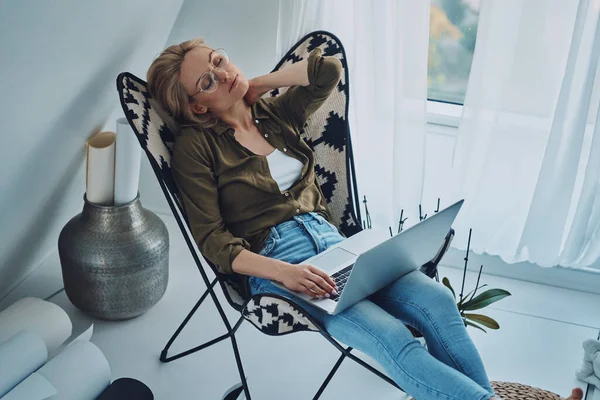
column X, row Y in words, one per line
column 370, row 259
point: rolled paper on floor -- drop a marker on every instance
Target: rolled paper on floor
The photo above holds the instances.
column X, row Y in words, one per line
column 128, row 158
column 20, row 356
column 127, row 389
column 47, row 320
column 35, row 387
column 79, row 372
column 100, row 169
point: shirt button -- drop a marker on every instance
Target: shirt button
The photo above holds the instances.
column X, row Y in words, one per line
column 286, row 194
column 284, row 149
column 297, row 210
column 266, row 135
column 256, row 121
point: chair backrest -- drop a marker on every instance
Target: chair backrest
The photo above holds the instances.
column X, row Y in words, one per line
column 327, row 133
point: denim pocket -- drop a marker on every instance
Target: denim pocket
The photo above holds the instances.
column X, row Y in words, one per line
column 318, row 217
column 326, row 225
column 269, row 246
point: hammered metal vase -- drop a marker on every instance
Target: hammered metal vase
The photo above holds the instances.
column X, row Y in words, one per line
column 114, row 259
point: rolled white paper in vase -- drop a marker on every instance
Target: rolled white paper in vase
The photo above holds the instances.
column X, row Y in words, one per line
column 100, row 166
column 50, row 322
column 128, row 160
column 20, row 356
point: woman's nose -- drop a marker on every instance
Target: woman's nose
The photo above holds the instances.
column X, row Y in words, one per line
column 222, row 75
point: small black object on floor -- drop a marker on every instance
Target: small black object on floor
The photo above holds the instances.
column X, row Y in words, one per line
column 126, row 389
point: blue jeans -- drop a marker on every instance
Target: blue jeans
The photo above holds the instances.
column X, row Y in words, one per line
column 451, row 369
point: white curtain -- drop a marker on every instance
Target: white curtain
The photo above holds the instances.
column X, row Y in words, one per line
column 296, row 19
column 527, row 156
column 386, row 42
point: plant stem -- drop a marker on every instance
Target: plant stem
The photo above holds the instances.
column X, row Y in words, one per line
column 466, row 262
column 400, row 222
column 367, row 212
column 477, row 285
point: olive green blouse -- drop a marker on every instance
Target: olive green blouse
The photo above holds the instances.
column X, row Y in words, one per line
column 229, row 195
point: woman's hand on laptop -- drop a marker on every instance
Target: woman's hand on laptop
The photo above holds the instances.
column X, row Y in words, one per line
column 308, row 279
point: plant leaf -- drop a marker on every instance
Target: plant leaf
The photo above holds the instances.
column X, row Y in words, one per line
column 483, row 320
column 475, row 290
column 464, row 301
column 446, row 283
column 475, row 326
column 485, row 299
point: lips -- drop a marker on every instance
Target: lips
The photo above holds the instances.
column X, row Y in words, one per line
column 233, row 83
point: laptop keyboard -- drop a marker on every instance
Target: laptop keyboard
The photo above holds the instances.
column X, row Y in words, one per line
column 340, row 278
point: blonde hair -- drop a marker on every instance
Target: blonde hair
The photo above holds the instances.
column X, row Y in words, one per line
column 166, row 88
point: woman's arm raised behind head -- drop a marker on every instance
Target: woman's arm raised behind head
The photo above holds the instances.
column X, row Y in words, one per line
column 312, row 81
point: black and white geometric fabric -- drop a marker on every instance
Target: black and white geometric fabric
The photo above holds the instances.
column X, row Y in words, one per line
column 327, row 132
column 275, row 315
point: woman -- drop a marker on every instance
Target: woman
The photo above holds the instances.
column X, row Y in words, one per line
column 248, row 186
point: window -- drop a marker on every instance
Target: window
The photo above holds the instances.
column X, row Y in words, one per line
column 452, row 34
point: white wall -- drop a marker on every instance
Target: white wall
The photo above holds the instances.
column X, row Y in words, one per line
column 59, row 63
column 246, row 29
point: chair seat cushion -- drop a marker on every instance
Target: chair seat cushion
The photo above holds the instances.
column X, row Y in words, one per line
column 275, row 315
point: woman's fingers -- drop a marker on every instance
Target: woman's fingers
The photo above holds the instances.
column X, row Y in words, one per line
column 329, row 283
column 314, row 282
column 307, row 291
column 310, row 284
column 322, row 284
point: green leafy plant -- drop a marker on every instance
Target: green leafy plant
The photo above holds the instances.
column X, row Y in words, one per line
column 470, row 302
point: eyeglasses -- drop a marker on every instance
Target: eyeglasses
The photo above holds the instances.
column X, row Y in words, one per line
column 208, row 82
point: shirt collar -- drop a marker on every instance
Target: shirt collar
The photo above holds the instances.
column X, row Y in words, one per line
column 258, row 112
column 220, row 128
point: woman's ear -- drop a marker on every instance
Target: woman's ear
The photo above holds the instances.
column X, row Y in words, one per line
column 197, row 108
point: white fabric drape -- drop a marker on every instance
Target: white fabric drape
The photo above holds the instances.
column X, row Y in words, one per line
column 527, row 156
column 386, row 42
column 296, row 19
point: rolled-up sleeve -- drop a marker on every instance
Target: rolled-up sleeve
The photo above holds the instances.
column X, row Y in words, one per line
column 298, row 103
column 198, row 189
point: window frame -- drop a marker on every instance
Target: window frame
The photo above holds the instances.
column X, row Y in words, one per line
column 439, row 112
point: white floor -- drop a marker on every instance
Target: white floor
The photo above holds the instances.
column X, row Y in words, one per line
column 539, row 342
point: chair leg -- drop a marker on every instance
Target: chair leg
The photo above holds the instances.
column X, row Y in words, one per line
column 328, row 379
column 209, row 290
column 230, row 334
column 164, row 352
column 238, row 360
